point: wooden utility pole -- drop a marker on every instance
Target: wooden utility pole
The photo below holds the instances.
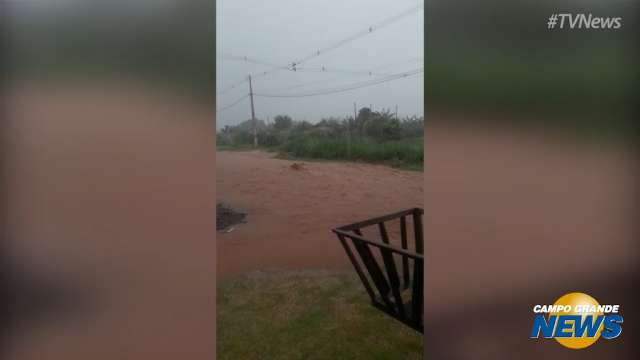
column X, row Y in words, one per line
column 396, row 112
column 253, row 116
column 349, row 131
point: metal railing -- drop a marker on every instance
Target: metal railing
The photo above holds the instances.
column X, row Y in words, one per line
column 399, row 294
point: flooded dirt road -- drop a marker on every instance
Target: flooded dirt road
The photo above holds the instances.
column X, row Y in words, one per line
column 292, row 208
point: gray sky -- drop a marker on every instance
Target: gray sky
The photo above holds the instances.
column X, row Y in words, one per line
column 280, row 31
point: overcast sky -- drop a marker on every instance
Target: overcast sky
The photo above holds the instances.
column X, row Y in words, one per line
column 280, row 31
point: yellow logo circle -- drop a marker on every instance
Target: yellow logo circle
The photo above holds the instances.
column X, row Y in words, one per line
column 578, row 300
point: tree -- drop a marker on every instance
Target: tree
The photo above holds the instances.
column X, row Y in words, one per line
column 364, row 115
column 383, row 125
column 282, row 122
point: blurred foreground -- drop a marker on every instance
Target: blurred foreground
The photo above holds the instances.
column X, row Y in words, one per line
column 110, row 223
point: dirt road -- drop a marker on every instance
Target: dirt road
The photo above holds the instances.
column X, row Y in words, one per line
column 291, row 212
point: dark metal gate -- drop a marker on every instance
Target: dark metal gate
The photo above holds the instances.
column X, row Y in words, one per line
column 400, row 294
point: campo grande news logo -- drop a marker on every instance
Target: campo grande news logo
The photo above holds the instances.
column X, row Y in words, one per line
column 576, row 320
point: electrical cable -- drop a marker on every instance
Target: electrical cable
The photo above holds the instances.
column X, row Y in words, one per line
column 233, row 104
column 346, row 87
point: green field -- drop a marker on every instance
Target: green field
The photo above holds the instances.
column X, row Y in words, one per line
column 406, row 153
column 310, row 315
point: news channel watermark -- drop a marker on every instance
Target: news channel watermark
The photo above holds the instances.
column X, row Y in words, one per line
column 576, row 321
column 582, row 21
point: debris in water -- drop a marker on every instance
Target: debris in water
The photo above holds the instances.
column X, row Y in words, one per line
column 226, row 217
column 297, row 166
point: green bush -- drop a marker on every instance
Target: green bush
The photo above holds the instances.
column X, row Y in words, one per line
column 375, row 137
column 406, row 152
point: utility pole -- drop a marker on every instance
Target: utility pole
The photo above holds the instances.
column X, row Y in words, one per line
column 349, row 131
column 396, row 111
column 253, row 116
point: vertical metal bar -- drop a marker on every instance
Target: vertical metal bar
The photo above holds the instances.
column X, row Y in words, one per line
column 417, row 225
column 417, row 296
column 363, row 278
column 374, row 269
column 392, row 273
column 383, row 233
column 405, row 259
column 418, row 285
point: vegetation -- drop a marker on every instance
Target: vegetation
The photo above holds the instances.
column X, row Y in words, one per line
column 307, row 316
column 373, row 137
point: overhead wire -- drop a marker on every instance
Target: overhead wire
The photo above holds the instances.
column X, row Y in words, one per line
column 348, row 87
column 233, row 104
column 321, row 69
column 379, row 25
column 249, row 60
column 233, row 86
column 369, row 72
column 292, row 66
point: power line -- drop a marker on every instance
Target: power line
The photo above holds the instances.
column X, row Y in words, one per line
column 293, row 65
column 414, row 59
column 342, row 71
column 369, row 72
column 330, row 80
column 267, row 72
column 234, row 103
column 258, row 74
column 359, row 34
column 249, row 60
column 347, row 87
column 231, row 87
column 246, row 59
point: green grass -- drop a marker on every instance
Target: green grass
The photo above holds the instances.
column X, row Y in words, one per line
column 236, row 147
column 406, row 153
column 307, row 316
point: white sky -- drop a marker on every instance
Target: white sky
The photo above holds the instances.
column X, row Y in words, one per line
column 279, row 31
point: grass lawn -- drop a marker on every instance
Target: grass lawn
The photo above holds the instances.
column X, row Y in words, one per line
column 307, row 315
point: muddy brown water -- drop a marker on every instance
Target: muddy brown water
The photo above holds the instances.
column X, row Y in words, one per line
column 293, row 211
